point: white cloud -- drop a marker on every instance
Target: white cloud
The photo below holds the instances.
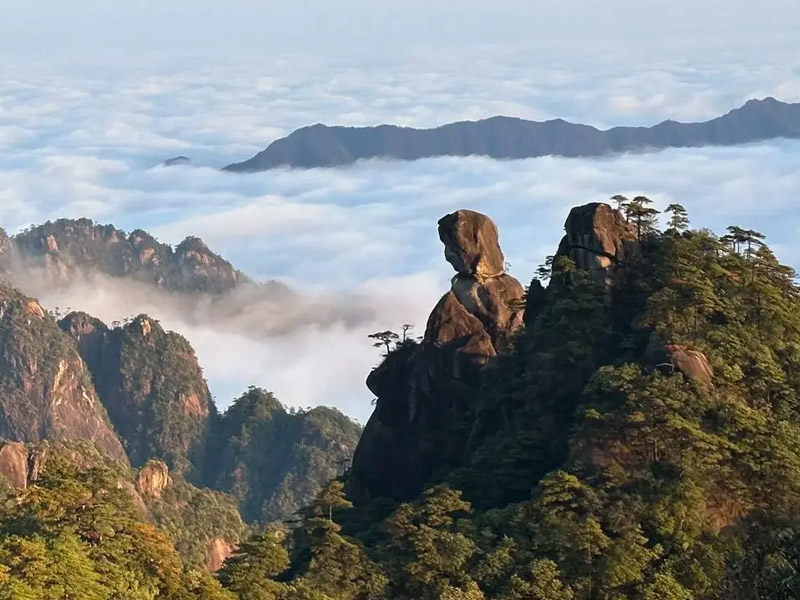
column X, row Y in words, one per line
column 87, row 141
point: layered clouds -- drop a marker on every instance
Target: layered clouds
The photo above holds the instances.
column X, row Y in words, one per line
column 86, row 136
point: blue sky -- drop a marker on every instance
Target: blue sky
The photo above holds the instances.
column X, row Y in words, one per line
column 93, row 95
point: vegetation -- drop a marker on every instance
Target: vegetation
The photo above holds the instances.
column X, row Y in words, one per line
column 600, row 467
column 273, row 461
column 154, row 391
column 76, row 535
column 194, row 518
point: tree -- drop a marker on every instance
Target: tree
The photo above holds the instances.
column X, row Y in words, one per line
column 428, row 554
column 384, row 338
column 250, row 572
column 545, row 270
column 679, row 218
column 622, row 202
column 639, row 211
column 738, row 237
column 406, row 328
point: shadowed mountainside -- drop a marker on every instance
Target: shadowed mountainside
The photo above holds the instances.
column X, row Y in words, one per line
column 513, row 138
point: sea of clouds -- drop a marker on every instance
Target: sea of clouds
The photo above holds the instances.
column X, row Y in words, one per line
column 358, row 244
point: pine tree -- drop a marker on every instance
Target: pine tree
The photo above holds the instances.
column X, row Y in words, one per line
column 643, row 215
column 679, row 218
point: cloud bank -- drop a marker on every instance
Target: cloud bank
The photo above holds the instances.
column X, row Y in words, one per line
column 359, row 244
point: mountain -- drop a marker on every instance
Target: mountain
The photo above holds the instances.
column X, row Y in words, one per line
column 153, row 388
column 274, row 462
column 636, row 436
column 513, row 138
column 46, row 391
column 66, row 248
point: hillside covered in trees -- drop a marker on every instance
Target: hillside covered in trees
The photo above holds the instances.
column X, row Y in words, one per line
column 638, row 437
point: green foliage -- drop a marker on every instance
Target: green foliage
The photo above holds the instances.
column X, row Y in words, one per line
column 194, row 518
column 75, row 534
column 274, row 462
column 251, row 571
column 600, row 466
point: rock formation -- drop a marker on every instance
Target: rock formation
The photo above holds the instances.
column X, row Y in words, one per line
column 14, row 464
column 596, row 236
column 46, row 390
column 152, row 387
column 219, row 550
column 424, row 391
column 153, row 478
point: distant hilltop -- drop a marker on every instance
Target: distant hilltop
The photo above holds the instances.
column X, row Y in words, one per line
column 512, row 138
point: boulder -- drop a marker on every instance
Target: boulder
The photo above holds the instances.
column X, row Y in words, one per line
column 597, row 236
column 471, row 244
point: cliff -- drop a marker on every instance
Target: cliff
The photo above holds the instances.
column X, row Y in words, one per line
column 153, row 388
column 45, row 389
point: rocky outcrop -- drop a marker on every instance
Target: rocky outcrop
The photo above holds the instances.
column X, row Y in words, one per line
column 424, row 391
column 14, row 464
column 597, row 236
column 66, row 249
column 46, row 389
column 153, row 478
column 693, row 364
column 219, row 550
column 152, row 387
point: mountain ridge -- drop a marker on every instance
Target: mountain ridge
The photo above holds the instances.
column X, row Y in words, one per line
column 505, row 137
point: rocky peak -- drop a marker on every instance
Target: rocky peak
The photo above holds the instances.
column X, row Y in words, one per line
column 6, row 253
column 596, row 236
column 424, row 392
column 153, row 478
column 66, row 249
column 152, row 387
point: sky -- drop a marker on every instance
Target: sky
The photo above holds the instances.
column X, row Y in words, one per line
column 95, row 95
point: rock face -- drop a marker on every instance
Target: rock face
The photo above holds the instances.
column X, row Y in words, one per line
column 219, row 550
column 14, row 464
column 153, row 478
column 596, row 236
column 46, row 391
column 424, row 391
column 66, row 248
column 152, row 387
column 692, row 364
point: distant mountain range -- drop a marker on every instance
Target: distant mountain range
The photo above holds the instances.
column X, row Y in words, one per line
column 511, row 138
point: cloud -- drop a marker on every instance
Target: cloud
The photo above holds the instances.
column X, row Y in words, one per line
column 359, row 245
